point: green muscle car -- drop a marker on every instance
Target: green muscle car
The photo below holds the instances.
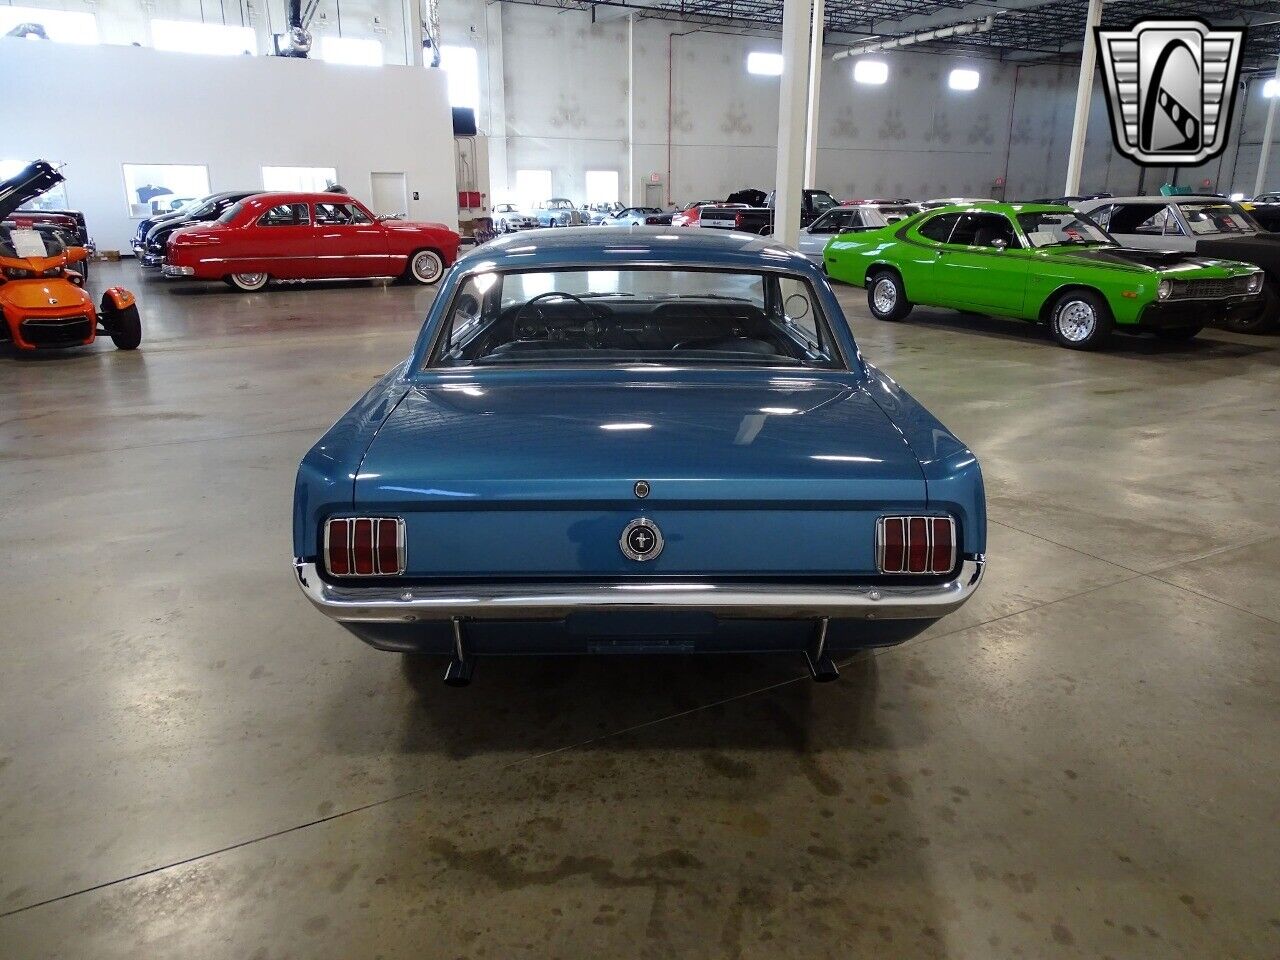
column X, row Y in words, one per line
column 1041, row 263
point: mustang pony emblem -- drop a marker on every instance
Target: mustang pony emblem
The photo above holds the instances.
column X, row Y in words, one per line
column 641, row 540
column 1171, row 87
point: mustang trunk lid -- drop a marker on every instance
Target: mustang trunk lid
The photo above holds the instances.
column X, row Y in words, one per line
column 754, row 473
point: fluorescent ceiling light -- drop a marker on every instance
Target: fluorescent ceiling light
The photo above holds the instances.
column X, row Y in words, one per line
column 1271, row 88
column 626, row 426
column 190, row 36
column 962, row 79
column 352, row 51
column 870, row 71
column 60, row 26
column 765, row 64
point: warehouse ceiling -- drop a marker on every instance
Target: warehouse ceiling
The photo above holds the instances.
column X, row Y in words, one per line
column 1018, row 29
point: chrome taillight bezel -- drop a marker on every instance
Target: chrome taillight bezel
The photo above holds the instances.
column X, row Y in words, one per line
column 378, row 532
column 932, row 564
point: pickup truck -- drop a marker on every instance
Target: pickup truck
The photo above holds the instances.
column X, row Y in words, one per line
column 759, row 220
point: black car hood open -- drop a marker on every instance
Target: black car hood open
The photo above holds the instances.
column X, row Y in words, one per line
column 1131, row 257
column 36, row 178
column 1262, row 249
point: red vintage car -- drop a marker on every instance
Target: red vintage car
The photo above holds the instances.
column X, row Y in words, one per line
column 308, row 236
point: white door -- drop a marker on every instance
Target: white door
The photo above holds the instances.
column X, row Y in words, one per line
column 653, row 195
column 390, row 195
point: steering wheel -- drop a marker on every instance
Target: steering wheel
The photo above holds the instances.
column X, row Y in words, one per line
column 592, row 330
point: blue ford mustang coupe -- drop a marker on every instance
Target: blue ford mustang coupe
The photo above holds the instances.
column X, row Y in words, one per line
column 637, row 441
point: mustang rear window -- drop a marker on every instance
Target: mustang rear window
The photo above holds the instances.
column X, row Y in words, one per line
column 635, row 316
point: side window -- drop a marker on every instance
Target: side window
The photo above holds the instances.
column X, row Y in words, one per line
column 800, row 315
column 938, row 228
column 358, row 215
column 332, row 214
column 286, row 215
column 1142, row 218
column 832, row 222
column 1102, row 216
column 983, row 230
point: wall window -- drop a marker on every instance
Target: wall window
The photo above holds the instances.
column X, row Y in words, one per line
column 961, row 79
column 870, row 71
column 55, row 199
column 765, row 64
column 60, row 26
column 1269, row 89
column 159, row 187
column 353, row 51
column 188, row 36
column 462, row 68
column 602, row 186
column 532, row 186
column 301, row 179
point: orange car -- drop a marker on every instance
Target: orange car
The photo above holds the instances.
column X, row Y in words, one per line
column 43, row 301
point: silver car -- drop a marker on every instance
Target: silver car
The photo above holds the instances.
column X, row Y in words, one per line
column 630, row 217
column 862, row 216
column 558, row 212
column 1171, row 223
column 507, row 217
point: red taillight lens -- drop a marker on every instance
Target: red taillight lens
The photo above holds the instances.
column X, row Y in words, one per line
column 892, row 549
column 362, row 546
column 337, row 547
column 943, row 555
column 388, row 546
column 916, row 545
column 737, row 220
column 365, row 547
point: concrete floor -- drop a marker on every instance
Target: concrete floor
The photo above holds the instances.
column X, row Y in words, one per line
column 1083, row 762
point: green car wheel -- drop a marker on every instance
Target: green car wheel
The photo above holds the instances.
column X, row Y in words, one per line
column 1080, row 320
column 885, row 297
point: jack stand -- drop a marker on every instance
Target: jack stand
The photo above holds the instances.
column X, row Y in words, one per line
column 458, row 673
column 821, row 666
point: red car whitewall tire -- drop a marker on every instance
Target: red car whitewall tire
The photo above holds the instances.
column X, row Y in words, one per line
column 426, row 267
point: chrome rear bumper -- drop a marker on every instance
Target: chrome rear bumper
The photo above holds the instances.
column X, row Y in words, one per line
column 539, row 601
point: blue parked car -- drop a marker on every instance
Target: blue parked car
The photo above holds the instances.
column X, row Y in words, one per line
column 637, row 441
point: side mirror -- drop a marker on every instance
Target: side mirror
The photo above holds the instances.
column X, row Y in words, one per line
column 1000, row 244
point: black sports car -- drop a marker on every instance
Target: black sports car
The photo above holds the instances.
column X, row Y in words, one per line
column 211, row 208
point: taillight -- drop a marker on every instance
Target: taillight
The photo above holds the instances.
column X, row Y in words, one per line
column 364, row 547
column 737, row 220
column 915, row 544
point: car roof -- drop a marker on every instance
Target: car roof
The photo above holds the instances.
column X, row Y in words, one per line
column 259, row 199
column 1008, row 209
column 574, row 247
column 1150, row 198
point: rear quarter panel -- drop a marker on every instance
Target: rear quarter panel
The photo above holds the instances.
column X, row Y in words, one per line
column 952, row 474
column 327, row 475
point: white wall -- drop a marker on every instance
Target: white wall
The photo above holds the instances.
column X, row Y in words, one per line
column 566, row 90
column 233, row 114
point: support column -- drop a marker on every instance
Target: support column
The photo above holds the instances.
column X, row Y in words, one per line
column 1084, row 94
column 815, row 92
column 631, row 111
column 1265, row 157
column 789, row 180
column 495, row 103
column 413, row 20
